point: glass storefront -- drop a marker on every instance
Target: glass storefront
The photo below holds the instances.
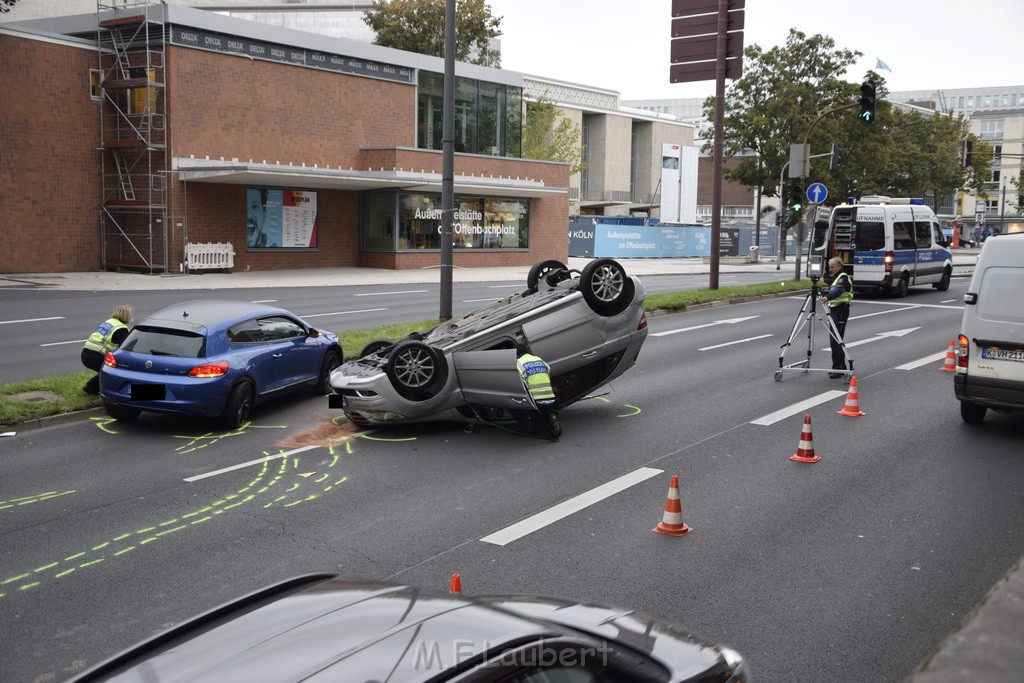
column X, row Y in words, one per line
column 488, row 116
column 402, row 221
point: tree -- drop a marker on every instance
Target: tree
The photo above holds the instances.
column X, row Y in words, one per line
column 6, row 5
column 418, row 26
column 549, row 136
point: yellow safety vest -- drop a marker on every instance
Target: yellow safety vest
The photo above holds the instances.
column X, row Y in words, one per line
column 846, row 296
column 102, row 340
column 534, row 372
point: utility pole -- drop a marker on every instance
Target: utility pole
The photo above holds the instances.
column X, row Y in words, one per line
column 448, row 162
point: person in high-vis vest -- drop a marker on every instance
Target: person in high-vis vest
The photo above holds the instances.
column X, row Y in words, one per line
column 838, row 298
column 536, row 374
column 108, row 336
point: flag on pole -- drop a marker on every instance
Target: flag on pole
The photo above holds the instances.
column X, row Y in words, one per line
column 879, row 64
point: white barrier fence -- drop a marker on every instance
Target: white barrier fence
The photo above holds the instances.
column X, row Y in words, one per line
column 209, row 256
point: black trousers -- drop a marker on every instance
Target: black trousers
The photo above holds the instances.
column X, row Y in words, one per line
column 94, row 361
column 839, row 314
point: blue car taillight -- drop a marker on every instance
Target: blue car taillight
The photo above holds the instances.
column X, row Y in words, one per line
column 207, row 370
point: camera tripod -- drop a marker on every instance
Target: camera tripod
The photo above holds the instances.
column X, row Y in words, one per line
column 809, row 313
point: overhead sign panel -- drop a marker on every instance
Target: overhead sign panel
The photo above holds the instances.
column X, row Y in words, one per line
column 684, row 8
column 704, row 71
column 705, row 24
column 702, row 48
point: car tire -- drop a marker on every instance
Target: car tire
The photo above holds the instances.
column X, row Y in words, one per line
column 375, row 346
column 606, row 288
column 902, row 287
column 972, row 413
column 943, row 284
column 540, row 271
column 416, row 370
column 121, row 413
column 323, row 383
column 238, row 407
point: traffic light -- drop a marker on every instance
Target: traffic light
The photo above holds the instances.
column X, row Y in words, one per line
column 833, row 161
column 968, row 153
column 867, row 101
column 796, row 202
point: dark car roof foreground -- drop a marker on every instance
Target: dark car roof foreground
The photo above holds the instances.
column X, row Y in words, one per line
column 320, row 625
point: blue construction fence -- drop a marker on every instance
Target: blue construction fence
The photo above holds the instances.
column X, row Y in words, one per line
column 622, row 237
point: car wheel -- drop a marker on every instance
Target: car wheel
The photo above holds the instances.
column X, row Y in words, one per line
column 375, row 346
column 238, row 406
column 417, row 370
column 943, row 284
column 323, row 382
column 972, row 413
column 122, row 413
column 605, row 287
column 902, row 287
column 541, row 270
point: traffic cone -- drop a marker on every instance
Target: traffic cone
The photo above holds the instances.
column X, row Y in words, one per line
column 950, row 364
column 456, row 584
column 852, row 407
column 671, row 523
column 805, row 453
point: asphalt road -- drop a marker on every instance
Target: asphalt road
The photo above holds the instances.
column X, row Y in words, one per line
column 850, row 569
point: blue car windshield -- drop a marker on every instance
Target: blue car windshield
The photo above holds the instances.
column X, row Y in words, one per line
column 160, row 341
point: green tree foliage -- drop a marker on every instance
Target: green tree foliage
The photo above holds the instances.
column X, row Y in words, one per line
column 549, row 136
column 418, row 26
column 785, row 90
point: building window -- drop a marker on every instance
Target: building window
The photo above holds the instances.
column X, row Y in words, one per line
column 480, row 222
column 991, row 130
column 970, row 102
column 488, row 116
column 94, row 84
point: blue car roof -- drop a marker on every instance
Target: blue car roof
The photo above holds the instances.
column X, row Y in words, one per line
column 191, row 315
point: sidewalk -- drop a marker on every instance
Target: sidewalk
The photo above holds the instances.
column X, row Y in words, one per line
column 963, row 265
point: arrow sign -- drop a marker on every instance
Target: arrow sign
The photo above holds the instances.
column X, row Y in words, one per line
column 816, row 193
column 883, row 335
column 731, row 321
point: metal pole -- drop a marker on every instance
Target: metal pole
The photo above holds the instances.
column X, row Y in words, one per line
column 448, row 162
column 716, row 166
column 783, row 217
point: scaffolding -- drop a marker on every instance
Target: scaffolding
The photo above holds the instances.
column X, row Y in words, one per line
column 132, row 42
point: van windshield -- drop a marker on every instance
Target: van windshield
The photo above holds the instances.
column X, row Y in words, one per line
column 870, row 236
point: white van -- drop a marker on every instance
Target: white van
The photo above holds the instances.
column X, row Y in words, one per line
column 990, row 354
column 888, row 244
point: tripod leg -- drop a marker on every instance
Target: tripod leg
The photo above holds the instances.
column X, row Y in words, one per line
column 800, row 320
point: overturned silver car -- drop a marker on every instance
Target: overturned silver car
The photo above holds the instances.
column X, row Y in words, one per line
column 587, row 325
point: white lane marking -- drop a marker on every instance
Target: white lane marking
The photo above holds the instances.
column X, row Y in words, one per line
column 504, row 286
column 73, row 341
column 868, row 315
column 796, row 408
column 30, row 320
column 738, row 341
column 729, row 321
column 881, row 335
column 408, row 291
column 265, row 301
column 948, row 301
column 476, row 301
column 858, row 302
column 553, row 514
column 259, row 461
column 927, row 360
column 321, row 315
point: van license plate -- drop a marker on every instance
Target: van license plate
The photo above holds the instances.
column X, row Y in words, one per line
column 996, row 353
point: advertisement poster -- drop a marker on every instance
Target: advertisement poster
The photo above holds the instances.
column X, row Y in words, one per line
column 678, row 184
column 280, row 219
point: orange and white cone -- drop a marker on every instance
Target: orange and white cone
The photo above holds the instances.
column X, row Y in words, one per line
column 950, row 364
column 456, row 584
column 805, row 452
column 671, row 523
column 852, row 407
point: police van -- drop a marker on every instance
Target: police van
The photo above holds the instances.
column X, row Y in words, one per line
column 887, row 244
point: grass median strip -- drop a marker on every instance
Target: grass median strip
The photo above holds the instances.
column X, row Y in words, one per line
column 34, row 399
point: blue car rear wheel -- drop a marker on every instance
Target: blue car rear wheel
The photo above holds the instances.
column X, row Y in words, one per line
column 238, row 407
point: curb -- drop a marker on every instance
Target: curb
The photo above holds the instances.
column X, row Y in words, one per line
column 55, row 420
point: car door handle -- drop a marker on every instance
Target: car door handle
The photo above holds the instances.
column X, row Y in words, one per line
column 588, row 354
column 276, row 355
column 520, row 401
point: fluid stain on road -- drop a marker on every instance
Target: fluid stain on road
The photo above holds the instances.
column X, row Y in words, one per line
column 325, row 435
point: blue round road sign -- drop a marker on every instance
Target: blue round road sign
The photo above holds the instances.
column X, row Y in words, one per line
column 817, row 193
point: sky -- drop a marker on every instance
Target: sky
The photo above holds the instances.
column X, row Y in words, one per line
column 623, row 45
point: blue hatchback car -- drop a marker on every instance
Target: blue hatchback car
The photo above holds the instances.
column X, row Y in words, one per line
column 215, row 359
